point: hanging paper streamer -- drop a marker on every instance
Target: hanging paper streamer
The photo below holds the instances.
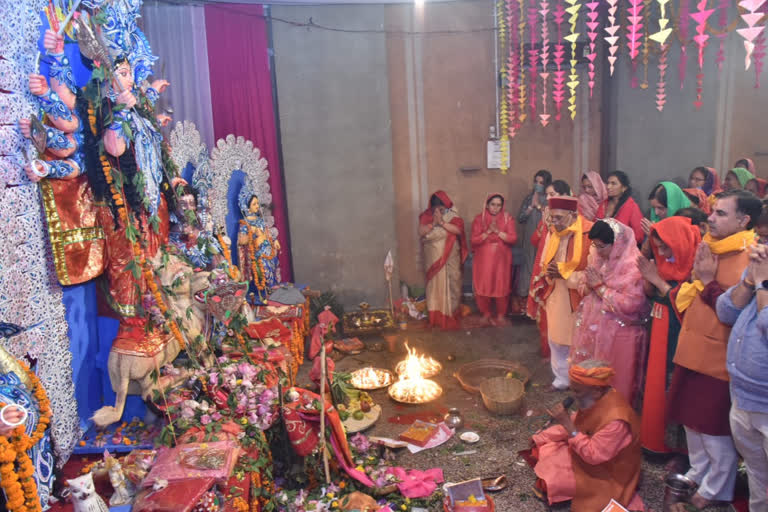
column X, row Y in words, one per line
column 634, row 35
column 504, row 106
column 544, row 116
column 751, row 32
column 759, row 55
column 722, row 20
column 701, row 37
column 661, row 38
column 559, row 93
column 682, row 31
column 533, row 57
column 573, row 83
column 522, row 98
column 513, row 67
column 612, row 39
column 592, row 25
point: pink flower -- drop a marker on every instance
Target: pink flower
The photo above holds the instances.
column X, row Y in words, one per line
column 205, row 419
column 213, row 378
column 216, row 416
column 187, row 413
column 247, row 370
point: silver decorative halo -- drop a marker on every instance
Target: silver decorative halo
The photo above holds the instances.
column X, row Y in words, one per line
column 237, row 154
column 187, row 147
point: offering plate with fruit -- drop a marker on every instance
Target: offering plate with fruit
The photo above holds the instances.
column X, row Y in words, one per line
column 360, row 414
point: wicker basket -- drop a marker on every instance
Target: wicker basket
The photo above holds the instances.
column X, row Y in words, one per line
column 502, row 395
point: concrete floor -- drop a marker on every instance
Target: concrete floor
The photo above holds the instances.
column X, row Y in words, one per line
column 500, row 437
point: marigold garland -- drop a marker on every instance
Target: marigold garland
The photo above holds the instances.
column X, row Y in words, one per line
column 147, row 271
column 257, row 264
column 16, row 468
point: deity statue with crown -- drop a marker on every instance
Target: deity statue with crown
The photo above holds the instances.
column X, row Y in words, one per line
column 257, row 248
column 105, row 174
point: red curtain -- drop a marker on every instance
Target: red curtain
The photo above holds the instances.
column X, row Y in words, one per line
column 241, row 94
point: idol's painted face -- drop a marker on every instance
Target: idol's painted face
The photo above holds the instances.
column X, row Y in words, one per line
column 731, row 181
column 494, row 206
column 587, row 188
column 253, row 206
column 123, row 76
column 659, row 209
column 697, row 179
column 614, row 186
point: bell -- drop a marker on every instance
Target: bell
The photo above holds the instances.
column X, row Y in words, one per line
column 453, row 419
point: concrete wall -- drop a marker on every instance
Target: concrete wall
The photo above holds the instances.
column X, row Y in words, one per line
column 335, row 127
column 651, row 145
column 442, row 98
column 372, row 124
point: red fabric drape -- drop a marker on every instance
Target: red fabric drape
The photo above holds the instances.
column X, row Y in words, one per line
column 241, row 95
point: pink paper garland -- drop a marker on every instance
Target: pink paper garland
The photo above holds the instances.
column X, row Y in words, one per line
column 612, row 39
column 683, row 32
column 701, row 37
column 533, row 56
column 559, row 86
column 633, row 31
column 513, row 67
column 523, row 98
column 544, row 116
column 661, row 85
column 592, row 25
column 661, row 37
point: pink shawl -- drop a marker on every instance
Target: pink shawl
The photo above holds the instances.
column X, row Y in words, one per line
column 588, row 205
column 610, row 324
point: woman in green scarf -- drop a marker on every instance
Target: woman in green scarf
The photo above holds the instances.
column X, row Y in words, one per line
column 738, row 177
column 666, row 199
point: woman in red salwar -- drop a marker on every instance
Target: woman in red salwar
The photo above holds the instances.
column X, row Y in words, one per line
column 445, row 249
column 493, row 234
column 674, row 241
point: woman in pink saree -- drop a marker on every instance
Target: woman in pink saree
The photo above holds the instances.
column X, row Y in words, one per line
column 593, row 196
column 610, row 321
column 445, row 250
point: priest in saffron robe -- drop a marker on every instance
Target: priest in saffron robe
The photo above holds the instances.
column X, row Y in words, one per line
column 594, row 455
column 563, row 260
column 493, row 234
column 444, row 243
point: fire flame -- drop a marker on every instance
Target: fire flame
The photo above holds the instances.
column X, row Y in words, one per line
column 370, row 378
column 412, row 387
column 417, row 364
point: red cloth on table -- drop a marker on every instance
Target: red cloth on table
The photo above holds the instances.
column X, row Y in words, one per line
column 492, row 264
column 270, row 328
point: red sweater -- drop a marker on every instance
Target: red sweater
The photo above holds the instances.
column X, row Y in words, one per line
column 630, row 215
